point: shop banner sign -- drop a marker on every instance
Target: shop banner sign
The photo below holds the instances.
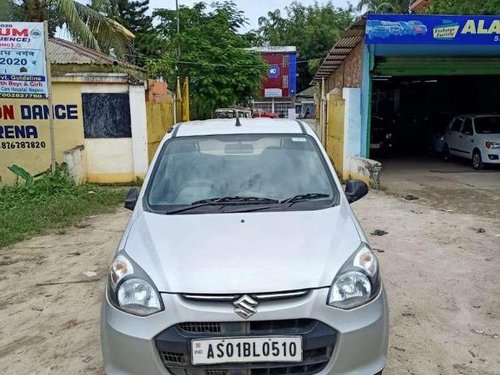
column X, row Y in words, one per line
column 23, row 73
column 423, row 29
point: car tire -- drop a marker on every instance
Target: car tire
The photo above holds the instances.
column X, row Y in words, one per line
column 446, row 153
column 477, row 160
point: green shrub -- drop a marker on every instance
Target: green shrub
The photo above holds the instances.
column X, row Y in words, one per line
column 48, row 201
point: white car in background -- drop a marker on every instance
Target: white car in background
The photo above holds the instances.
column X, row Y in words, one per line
column 474, row 137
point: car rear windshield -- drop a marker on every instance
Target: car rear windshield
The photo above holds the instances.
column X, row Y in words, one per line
column 273, row 167
column 487, row 125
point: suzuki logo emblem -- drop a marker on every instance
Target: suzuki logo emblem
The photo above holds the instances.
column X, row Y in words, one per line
column 245, row 306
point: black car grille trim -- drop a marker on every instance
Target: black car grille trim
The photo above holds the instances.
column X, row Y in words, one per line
column 174, row 346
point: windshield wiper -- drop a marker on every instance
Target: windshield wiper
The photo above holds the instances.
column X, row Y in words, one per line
column 291, row 201
column 304, row 197
column 224, row 201
column 237, row 199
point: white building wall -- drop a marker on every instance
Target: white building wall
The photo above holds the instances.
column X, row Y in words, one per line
column 356, row 166
column 109, row 160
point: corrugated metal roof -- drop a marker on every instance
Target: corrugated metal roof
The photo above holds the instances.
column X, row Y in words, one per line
column 309, row 92
column 274, row 49
column 347, row 42
column 63, row 52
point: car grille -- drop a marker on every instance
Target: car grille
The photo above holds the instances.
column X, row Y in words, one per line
column 265, row 327
column 174, row 346
column 258, row 296
column 203, row 327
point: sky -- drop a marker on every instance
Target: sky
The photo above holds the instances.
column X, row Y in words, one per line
column 253, row 8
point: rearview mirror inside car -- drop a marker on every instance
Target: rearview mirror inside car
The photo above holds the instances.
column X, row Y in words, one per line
column 355, row 190
column 131, row 199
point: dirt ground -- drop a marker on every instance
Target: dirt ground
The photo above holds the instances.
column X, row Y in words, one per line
column 451, row 186
column 442, row 274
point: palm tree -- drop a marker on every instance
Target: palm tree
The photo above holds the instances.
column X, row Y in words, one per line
column 385, row 6
column 84, row 25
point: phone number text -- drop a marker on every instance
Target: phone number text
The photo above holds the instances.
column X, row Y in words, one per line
column 22, row 145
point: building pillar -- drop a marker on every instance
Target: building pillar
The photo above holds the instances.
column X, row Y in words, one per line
column 352, row 125
column 138, row 118
column 366, row 93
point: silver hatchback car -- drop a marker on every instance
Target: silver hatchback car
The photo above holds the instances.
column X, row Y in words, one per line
column 243, row 256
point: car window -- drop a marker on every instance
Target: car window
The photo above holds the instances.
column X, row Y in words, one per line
column 278, row 167
column 487, row 125
column 224, row 114
column 456, row 124
column 467, row 128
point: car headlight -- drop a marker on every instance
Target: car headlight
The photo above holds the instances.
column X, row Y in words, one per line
column 491, row 145
column 130, row 289
column 357, row 282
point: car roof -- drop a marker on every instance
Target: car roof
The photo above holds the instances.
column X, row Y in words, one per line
column 248, row 126
column 478, row 116
column 232, row 109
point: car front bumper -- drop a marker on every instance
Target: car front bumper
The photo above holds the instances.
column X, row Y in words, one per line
column 360, row 344
column 492, row 156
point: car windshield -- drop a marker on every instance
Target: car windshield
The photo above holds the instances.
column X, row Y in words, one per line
column 240, row 170
column 487, row 125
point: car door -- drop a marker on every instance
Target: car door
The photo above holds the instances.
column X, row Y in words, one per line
column 454, row 130
column 466, row 138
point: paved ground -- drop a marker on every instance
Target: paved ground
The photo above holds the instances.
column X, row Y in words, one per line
column 442, row 276
column 449, row 186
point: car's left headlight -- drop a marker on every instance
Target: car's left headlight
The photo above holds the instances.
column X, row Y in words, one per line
column 130, row 289
column 357, row 282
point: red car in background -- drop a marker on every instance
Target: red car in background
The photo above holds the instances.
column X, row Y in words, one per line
column 264, row 114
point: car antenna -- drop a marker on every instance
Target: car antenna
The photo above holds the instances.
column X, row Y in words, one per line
column 238, row 122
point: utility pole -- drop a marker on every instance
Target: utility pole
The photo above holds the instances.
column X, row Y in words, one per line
column 49, row 99
column 178, row 28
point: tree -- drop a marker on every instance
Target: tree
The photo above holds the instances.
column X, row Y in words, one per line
column 84, row 24
column 210, row 51
column 487, row 7
column 312, row 29
column 384, row 6
column 133, row 16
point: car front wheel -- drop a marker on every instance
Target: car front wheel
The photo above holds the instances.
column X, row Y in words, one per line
column 477, row 160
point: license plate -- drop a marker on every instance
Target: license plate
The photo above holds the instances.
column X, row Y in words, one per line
column 246, row 349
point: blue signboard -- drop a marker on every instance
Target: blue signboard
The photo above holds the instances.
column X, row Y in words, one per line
column 422, row 29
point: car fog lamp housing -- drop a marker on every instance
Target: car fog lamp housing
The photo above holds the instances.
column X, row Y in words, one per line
column 130, row 289
column 358, row 281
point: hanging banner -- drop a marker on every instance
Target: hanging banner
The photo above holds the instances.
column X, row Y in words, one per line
column 23, row 73
column 424, row 29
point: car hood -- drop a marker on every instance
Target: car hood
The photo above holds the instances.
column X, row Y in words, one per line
column 243, row 252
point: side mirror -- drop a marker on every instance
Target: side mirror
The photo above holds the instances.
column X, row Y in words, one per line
column 131, row 198
column 355, row 190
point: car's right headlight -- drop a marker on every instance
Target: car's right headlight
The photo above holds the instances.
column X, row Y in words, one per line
column 130, row 289
column 357, row 282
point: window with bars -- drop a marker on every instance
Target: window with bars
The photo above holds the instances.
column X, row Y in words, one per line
column 286, row 60
column 285, row 81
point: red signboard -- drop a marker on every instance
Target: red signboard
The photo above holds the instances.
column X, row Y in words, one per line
column 277, row 79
